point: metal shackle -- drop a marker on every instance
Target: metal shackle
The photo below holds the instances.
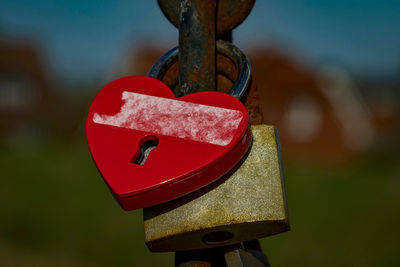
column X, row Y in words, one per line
column 243, row 81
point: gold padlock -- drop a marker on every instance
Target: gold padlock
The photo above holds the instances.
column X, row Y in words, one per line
column 248, row 203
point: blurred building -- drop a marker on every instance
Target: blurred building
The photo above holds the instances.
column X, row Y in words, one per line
column 29, row 103
column 320, row 114
column 23, row 83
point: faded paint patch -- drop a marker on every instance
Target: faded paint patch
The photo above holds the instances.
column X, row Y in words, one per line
column 175, row 118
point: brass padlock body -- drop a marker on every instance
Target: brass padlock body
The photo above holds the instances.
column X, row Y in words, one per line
column 249, row 203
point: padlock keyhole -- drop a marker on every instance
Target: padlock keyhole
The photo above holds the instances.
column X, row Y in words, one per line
column 144, row 152
column 217, row 237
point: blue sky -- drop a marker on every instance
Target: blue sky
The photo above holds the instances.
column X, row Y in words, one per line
column 86, row 39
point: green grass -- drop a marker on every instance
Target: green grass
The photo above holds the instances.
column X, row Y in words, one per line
column 54, row 207
column 56, row 210
column 341, row 216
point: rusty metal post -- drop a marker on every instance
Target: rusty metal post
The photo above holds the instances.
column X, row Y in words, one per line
column 197, row 31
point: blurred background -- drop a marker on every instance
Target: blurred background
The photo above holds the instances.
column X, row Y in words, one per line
column 327, row 72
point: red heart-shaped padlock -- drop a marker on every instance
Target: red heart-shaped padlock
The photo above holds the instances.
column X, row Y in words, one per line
column 196, row 139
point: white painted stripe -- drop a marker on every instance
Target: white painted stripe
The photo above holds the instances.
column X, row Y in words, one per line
column 176, row 118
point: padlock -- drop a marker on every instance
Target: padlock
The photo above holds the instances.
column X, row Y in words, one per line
column 196, row 139
column 247, row 203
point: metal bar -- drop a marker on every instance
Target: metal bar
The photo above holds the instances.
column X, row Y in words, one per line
column 242, row 258
column 197, row 58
